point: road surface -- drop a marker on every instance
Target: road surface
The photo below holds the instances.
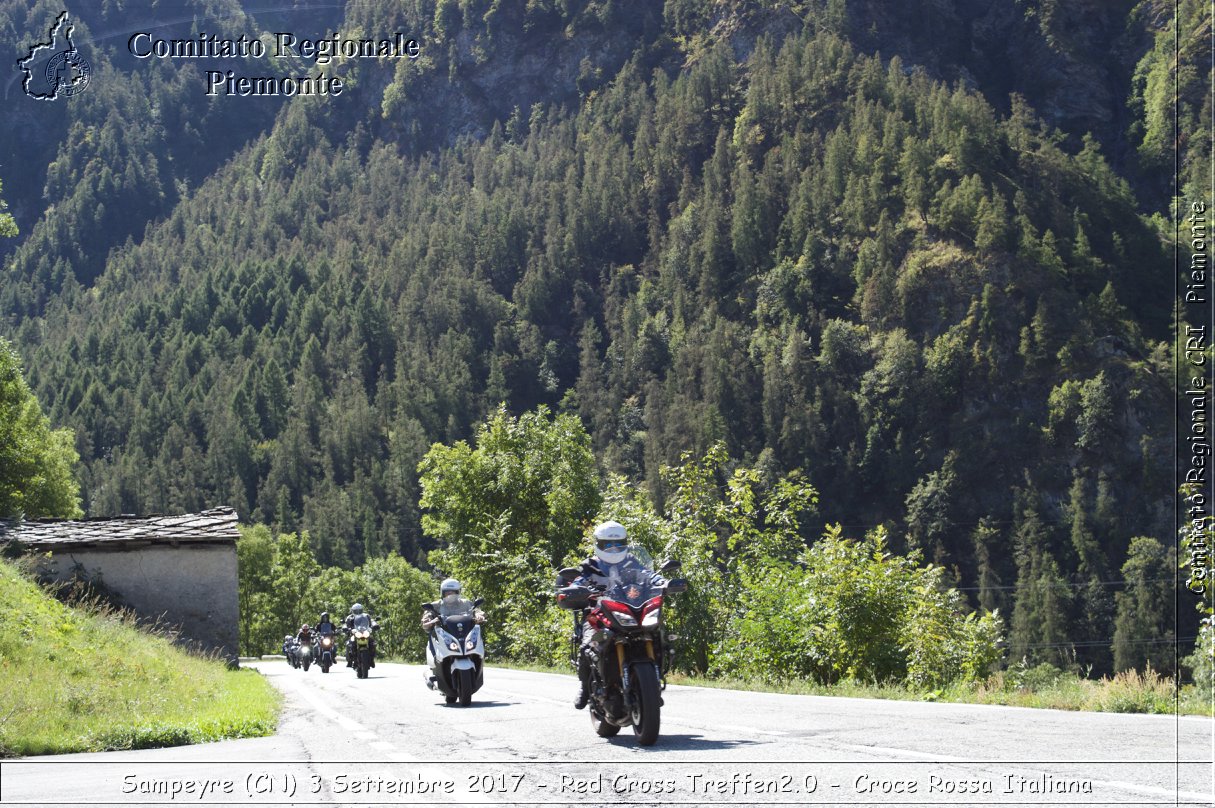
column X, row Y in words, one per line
column 387, row 740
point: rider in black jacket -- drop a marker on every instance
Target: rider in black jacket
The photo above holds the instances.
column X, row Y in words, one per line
column 605, row 566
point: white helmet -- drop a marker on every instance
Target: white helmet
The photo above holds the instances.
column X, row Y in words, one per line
column 611, row 544
column 450, row 589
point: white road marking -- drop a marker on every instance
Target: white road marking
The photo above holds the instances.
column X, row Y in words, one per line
column 885, row 751
column 327, row 711
column 1188, row 796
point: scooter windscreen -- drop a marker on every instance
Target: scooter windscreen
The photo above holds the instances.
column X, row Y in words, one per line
column 459, row 625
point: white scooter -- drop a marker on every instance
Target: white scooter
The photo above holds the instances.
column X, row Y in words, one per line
column 455, row 654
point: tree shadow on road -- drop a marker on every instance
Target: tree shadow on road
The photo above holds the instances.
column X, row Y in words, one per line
column 690, row 743
column 476, row 703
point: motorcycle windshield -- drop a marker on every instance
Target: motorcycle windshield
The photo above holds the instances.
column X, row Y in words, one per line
column 458, row 625
column 633, row 585
column 362, row 621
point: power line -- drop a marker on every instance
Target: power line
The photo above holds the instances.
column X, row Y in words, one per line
column 1070, row 585
column 1104, row 643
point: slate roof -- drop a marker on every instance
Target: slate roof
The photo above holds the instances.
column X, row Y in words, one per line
column 215, row 525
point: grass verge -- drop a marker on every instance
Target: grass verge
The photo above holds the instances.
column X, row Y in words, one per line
column 1042, row 687
column 88, row 680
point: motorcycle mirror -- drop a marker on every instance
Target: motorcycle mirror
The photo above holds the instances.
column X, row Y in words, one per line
column 670, row 565
column 676, row 585
column 477, row 603
column 567, row 576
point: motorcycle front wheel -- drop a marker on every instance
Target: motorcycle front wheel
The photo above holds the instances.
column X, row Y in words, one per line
column 307, row 662
column 363, row 663
column 646, row 700
column 464, row 686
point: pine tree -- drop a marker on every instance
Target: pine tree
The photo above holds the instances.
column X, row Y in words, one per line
column 1143, row 630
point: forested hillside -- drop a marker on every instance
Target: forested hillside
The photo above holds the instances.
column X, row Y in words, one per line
column 920, row 255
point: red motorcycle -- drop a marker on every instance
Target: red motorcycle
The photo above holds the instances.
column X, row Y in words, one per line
column 629, row 652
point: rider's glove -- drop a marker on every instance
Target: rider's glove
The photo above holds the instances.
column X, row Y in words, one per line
column 479, row 616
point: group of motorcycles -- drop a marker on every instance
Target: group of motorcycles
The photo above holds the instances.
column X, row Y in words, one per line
column 323, row 653
column 629, row 650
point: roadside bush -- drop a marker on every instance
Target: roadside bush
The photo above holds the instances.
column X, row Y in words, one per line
column 1202, row 662
column 1023, row 676
column 853, row 611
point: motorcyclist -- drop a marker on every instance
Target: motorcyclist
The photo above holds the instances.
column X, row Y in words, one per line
column 603, row 568
column 304, row 637
column 450, row 603
column 325, row 625
column 289, row 647
column 360, row 618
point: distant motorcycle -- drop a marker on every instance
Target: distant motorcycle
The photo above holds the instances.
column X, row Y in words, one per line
column 291, row 651
column 630, row 651
column 455, row 654
column 305, row 655
column 361, row 645
column 325, row 651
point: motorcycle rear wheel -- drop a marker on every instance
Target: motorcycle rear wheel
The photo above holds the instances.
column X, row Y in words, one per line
column 646, row 700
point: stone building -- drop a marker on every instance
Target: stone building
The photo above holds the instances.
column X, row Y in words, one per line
column 178, row 570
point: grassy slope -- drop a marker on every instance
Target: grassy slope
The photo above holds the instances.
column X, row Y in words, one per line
column 76, row 681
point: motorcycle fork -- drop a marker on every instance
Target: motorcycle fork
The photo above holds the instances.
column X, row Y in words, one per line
column 625, row 691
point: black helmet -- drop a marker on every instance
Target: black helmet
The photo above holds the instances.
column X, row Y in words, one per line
column 324, row 617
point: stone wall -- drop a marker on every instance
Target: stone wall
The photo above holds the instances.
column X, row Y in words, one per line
column 191, row 587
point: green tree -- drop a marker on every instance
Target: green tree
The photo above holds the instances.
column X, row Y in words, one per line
column 509, row 511
column 8, row 226
column 254, row 557
column 1143, row 628
column 274, row 576
column 36, row 462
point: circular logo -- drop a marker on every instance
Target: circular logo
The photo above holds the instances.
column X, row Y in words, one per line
column 68, row 72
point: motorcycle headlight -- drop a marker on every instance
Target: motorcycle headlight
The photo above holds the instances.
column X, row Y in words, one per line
column 624, row 618
column 470, row 642
column 651, row 617
column 453, row 645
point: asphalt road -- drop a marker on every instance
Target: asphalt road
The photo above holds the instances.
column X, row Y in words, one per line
column 388, row 740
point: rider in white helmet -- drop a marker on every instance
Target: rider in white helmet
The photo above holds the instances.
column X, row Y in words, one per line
column 611, row 556
column 451, row 602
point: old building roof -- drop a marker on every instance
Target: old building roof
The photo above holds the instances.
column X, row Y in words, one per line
column 215, row 525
